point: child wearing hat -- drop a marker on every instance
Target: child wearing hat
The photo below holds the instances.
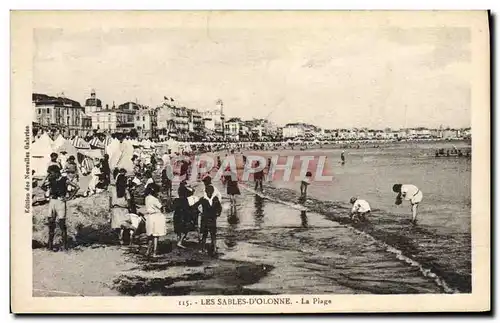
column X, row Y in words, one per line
column 360, row 209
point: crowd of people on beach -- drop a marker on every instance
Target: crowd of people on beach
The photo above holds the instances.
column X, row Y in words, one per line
column 191, row 213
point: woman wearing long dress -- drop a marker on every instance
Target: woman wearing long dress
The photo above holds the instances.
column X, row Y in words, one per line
column 119, row 205
column 155, row 220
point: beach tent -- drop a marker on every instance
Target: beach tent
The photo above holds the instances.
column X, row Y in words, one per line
column 133, row 142
column 40, row 154
column 96, row 143
column 173, row 145
column 110, row 143
column 149, row 144
column 85, row 158
column 58, row 142
column 120, row 155
column 107, row 141
column 146, row 144
column 80, row 143
column 68, row 148
column 45, row 139
column 91, row 153
column 187, row 148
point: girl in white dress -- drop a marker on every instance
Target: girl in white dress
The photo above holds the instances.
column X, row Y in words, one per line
column 155, row 220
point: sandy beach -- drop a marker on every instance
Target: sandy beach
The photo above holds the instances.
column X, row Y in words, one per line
column 270, row 245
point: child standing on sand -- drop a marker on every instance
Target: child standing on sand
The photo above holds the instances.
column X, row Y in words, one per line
column 155, row 220
column 304, row 184
column 211, row 210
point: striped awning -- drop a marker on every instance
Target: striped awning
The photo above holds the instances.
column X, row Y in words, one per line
column 80, row 143
column 107, row 141
column 96, row 143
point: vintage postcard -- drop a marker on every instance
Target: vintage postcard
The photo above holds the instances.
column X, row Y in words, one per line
column 250, row 162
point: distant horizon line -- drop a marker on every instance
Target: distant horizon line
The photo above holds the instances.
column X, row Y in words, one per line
column 58, row 95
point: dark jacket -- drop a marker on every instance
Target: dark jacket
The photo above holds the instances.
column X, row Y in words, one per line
column 210, row 211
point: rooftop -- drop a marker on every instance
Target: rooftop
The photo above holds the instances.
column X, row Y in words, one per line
column 116, row 110
column 40, row 99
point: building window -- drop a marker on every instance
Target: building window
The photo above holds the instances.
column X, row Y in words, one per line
column 143, row 118
column 48, row 110
column 138, row 118
column 39, row 111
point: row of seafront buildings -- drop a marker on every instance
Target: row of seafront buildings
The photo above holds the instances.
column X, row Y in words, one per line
column 304, row 131
column 168, row 120
column 171, row 120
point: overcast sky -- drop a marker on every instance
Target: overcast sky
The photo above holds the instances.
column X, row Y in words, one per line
column 387, row 77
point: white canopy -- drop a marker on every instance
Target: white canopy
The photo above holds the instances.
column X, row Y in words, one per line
column 58, row 142
column 173, row 145
column 68, row 148
column 120, row 155
column 40, row 154
column 187, row 148
column 146, row 144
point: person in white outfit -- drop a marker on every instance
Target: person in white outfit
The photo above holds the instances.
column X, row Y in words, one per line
column 408, row 192
column 155, row 220
column 94, row 179
column 360, row 209
column 166, row 159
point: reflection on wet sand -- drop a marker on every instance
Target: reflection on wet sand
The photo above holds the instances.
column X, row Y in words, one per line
column 233, row 220
column 303, row 219
column 259, row 211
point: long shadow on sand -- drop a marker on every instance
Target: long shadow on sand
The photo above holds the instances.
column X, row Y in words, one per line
column 187, row 272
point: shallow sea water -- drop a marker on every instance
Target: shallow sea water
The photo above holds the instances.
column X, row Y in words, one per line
column 439, row 246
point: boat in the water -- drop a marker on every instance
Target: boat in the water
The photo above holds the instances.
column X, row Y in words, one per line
column 453, row 152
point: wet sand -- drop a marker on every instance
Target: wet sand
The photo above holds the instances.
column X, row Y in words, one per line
column 265, row 247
